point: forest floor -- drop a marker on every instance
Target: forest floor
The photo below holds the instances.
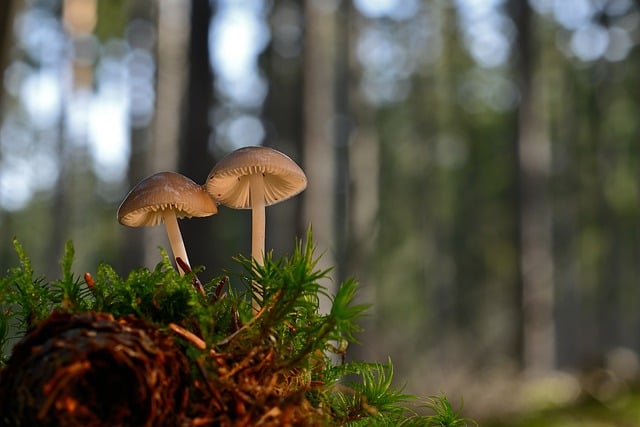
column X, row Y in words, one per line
column 621, row 411
column 604, row 396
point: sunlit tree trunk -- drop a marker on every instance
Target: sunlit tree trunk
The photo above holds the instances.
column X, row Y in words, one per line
column 534, row 166
column 319, row 160
column 159, row 145
column 173, row 43
column 141, row 246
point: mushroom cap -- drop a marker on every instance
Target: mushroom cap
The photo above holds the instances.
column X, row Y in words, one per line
column 228, row 181
column 146, row 202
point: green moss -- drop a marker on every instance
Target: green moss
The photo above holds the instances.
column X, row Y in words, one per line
column 282, row 354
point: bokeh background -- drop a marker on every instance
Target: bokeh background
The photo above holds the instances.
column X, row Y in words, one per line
column 474, row 164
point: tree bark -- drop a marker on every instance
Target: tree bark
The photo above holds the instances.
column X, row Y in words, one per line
column 173, row 43
column 195, row 161
column 319, row 161
column 535, row 227
column 141, row 247
column 342, row 126
column 162, row 154
column 282, row 118
column 7, row 15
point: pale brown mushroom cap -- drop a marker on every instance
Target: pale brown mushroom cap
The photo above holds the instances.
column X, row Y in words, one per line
column 163, row 191
column 228, row 181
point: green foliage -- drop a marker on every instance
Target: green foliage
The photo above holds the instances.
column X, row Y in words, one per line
column 230, row 339
column 288, row 291
column 367, row 395
column 158, row 296
column 23, row 296
column 445, row 416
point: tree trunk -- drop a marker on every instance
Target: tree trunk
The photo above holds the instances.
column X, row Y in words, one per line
column 342, row 124
column 173, row 42
column 319, row 161
column 195, row 160
column 282, row 63
column 162, row 154
column 534, row 166
column 141, row 246
column 7, row 16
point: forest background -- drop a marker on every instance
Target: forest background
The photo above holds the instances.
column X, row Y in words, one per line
column 474, row 164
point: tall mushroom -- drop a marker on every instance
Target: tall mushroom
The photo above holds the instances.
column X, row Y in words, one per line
column 253, row 178
column 165, row 197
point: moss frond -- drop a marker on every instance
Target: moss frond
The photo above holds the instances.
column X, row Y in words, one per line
column 274, row 365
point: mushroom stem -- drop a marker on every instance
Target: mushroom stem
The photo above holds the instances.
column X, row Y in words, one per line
column 256, row 195
column 175, row 238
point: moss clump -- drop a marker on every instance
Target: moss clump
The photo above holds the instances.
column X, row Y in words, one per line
column 274, row 366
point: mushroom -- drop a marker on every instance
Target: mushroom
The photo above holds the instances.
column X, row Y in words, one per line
column 253, row 178
column 164, row 197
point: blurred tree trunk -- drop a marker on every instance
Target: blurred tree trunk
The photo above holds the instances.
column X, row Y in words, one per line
column 319, row 161
column 363, row 183
column 534, row 166
column 363, row 179
column 61, row 208
column 141, row 248
column 282, row 63
column 7, row 16
column 606, row 297
column 173, row 43
column 195, row 160
column 567, row 222
column 342, row 126
column 446, row 295
column 157, row 147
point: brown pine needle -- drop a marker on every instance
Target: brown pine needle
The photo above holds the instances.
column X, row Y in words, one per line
column 189, row 336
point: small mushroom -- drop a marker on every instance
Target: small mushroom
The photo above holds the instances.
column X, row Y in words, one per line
column 164, row 197
column 253, row 178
